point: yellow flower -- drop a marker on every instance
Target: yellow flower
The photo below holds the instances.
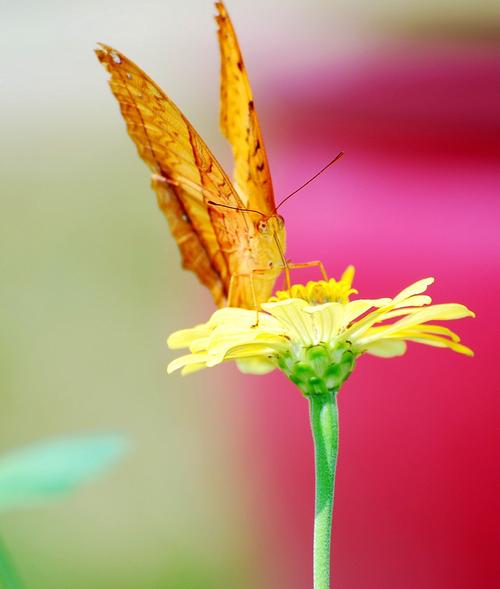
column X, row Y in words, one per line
column 314, row 333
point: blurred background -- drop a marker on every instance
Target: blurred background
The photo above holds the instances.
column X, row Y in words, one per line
column 218, row 491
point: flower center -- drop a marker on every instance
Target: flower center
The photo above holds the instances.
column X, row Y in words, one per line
column 318, row 293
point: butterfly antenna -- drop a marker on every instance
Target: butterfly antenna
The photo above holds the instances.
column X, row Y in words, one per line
column 218, row 204
column 335, row 159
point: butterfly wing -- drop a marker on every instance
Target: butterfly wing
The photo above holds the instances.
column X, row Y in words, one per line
column 239, row 122
column 193, row 253
column 186, row 176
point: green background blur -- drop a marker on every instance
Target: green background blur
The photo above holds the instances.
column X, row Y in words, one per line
column 91, row 286
column 91, row 282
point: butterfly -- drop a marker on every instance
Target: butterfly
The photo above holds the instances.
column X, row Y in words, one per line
column 229, row 234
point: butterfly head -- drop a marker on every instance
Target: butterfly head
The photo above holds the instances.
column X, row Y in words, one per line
column 272, row 225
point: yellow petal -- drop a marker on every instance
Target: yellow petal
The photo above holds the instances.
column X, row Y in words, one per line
column 434, row 329
column 414, row 289
column 184, row 337
column 187, row 360
column 290, row 313
column 348, row 275
column 328, row 320
column 386, row 348
column 255, row 365
column 199, row 345
column 421, row 315
column 443, row 312
column 190, row 368
column 396, row 313
column 441, row 342
column 365, row 323
column 355, row 309
column 415, row 301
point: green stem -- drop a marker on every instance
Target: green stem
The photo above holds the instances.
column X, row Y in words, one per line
column 9, row 579
column 325, row 430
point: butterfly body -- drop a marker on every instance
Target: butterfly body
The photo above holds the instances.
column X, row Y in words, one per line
column 229, row 235
column 257, row 265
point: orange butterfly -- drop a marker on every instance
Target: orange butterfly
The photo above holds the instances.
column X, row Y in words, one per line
column 229, row 235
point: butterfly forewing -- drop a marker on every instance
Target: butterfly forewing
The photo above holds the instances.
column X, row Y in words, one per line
column 239, row 123
column 186, row 174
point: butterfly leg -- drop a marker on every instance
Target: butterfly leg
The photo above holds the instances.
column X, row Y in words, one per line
column 312, row 264
column 230, row 289
column 234, row 286
column 288, row 281
column 244, row 284
column 254, row 298
column 233, row 292
column 251, row 276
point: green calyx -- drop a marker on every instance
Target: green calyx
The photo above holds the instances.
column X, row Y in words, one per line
column 319, row 369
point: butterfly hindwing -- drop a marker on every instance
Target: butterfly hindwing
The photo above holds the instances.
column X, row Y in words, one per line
column 193, row 254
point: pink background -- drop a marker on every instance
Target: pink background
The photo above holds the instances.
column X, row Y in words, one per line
column 415, row 195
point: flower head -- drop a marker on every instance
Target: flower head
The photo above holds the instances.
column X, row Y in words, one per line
column 315, row 333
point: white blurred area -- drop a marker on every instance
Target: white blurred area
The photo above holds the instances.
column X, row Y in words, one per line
column 91, row 283
column 46, row 45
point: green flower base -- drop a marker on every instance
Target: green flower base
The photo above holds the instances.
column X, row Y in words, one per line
column 319, row 369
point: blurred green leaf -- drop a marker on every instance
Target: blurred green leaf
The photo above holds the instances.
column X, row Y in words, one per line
column 48, row 470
